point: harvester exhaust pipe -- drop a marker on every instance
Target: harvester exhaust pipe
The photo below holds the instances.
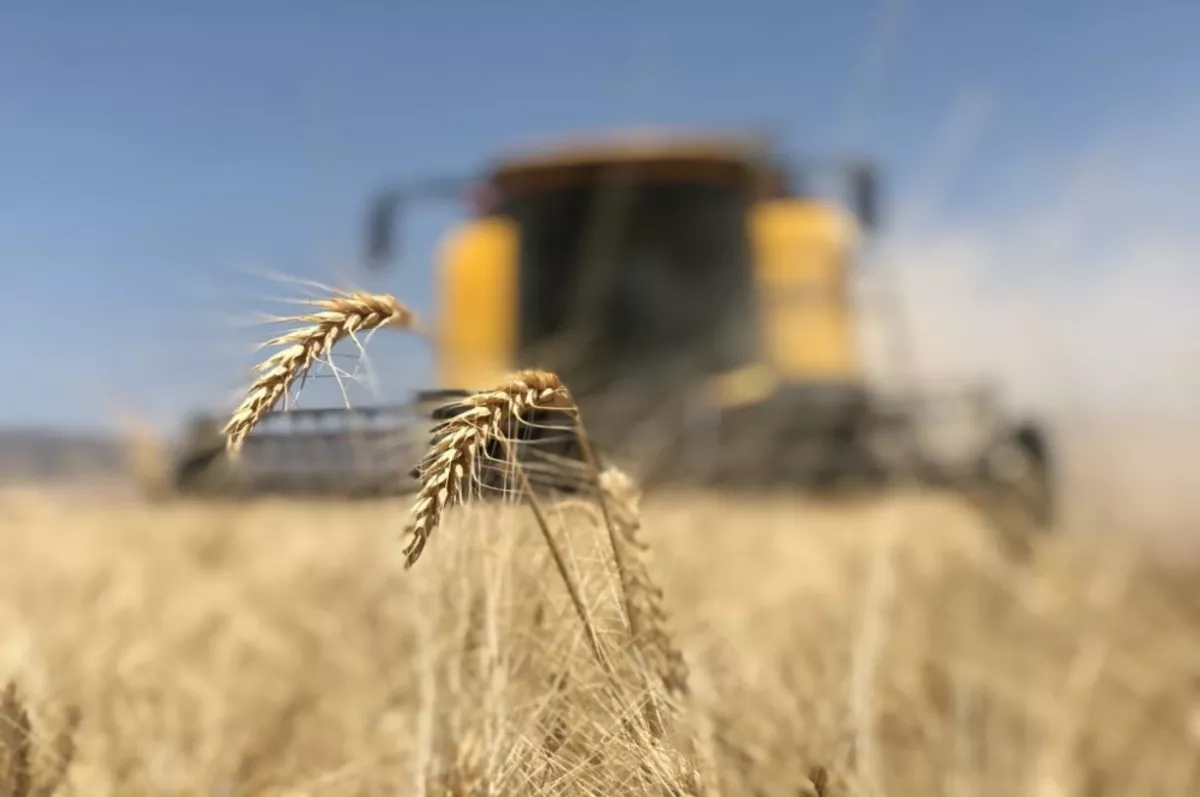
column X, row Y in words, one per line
column 858, row 177
column 380, row 233
column 864, row 186
column 384, row 209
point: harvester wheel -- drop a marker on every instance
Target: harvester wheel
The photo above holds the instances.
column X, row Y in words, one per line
column 1022, row 463
column 855, row 468
column 201, row 465
column 1018, row 486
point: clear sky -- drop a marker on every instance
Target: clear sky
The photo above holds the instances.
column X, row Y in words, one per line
column 156, row 159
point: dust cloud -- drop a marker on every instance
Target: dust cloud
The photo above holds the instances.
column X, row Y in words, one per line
column 1080, row 308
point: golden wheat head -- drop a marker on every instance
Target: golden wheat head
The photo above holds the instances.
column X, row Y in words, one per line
column 450, row 463
column 331, row 321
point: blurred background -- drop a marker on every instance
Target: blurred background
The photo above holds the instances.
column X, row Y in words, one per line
column 169, row 173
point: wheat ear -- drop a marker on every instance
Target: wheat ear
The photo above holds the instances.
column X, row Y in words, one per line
column 332, row 320
column 450, row 464
column 644, row 600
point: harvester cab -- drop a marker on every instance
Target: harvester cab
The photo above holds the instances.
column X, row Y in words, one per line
column 695, row 294
column 625, row 261
column 688, row 289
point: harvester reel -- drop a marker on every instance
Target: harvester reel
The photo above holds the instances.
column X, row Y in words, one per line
column 751, row 452
column 360, row 452
column 1015, row 485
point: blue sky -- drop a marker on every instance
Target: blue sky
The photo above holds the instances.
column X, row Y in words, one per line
column 156, row 159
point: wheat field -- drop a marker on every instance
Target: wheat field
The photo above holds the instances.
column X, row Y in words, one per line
column 280, row 647
column 609, row 643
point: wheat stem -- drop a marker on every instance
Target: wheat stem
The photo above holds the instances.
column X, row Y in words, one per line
column 560, row 563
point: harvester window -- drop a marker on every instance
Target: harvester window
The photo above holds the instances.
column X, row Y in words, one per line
column 662, row 287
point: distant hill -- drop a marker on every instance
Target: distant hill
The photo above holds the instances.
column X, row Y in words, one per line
column 47, row 455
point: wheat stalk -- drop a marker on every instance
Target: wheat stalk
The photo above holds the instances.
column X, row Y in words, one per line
column 447, row 469
column 18, row 775
column 645, row 605
column 333, row 319
column 16, row 733
column 644, row 601
column 449, row 465
column 63, row 755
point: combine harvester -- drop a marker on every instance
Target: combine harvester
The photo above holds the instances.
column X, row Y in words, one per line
column 694, row 292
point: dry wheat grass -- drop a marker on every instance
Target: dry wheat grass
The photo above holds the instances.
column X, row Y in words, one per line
column 210, row 658
column 791, row 691
column 646, row 604
column 449, row 470
column 488, row 417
